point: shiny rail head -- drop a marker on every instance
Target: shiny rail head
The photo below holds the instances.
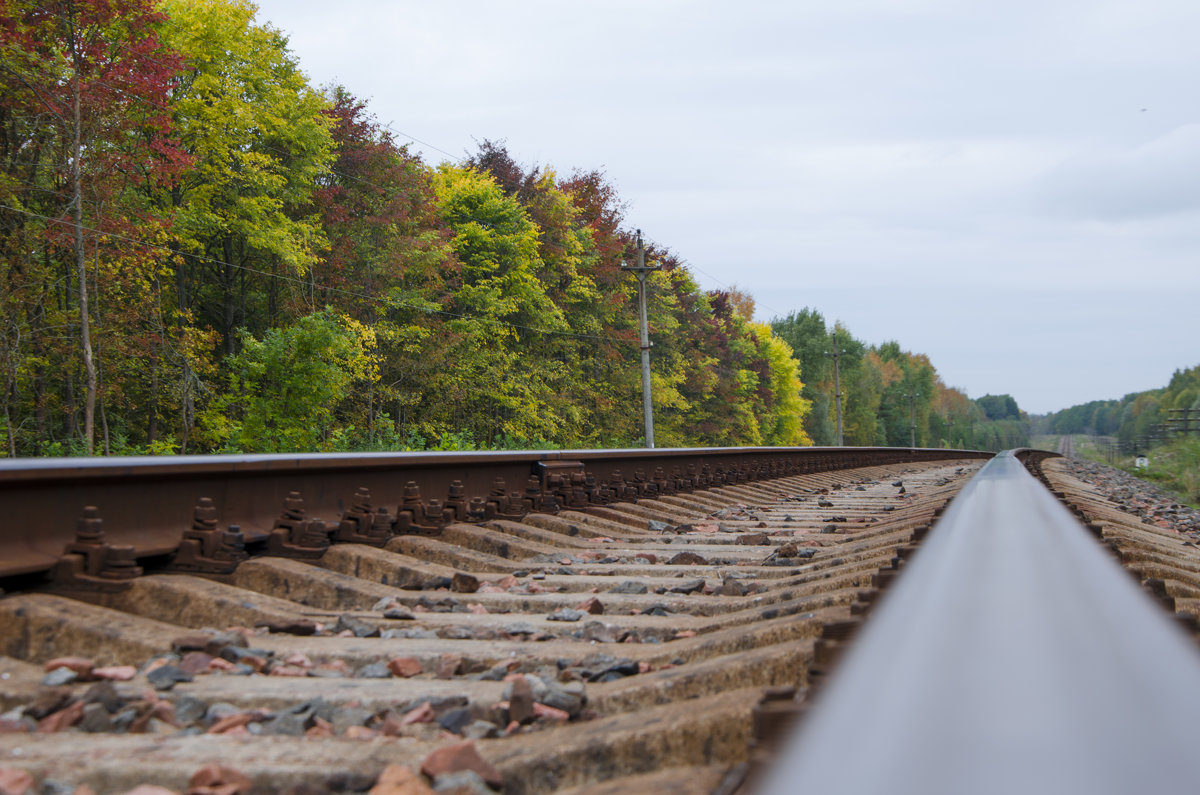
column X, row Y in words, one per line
column 1013, row 655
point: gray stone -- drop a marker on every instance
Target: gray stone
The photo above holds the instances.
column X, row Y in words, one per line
column 59, row 677
column 412, row 634
column 123, row 719
column 494, row 674
column 52, row 786
column 456, row 633
column 601, row 632
column 189, row 709
column 688, row 586
column 374, row 671
column 290, row 724
column 519, row 628
column 561, row 699
column 480, row 729
column 95, row 718
column 567, row 614
column 235, row 654
column 360, row 628
column 538, row 685
column 659, row 527
column 166, row 677
column 455, row 720
column 399, row 613
column 630, row 587
column 105, row 693
column 346, row 717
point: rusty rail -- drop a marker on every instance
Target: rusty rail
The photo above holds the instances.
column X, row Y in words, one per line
column 95, row 518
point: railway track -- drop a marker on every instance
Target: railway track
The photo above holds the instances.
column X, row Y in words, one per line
column 588, row 631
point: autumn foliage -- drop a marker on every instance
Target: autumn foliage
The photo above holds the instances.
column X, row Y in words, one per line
column 201, row 252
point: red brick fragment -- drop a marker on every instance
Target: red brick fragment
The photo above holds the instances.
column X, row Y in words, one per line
column 421, row 714
column 459, row 757
column 448, row 665
column 550, row 713
column 232, row 721
column 299, row 659
column 63, row 719
column 593, row 606
column 14, row 781
column 320, row 728
column 404, row 666
column 82, row 666
column 216, row 779
column 195, row 662
column 115, row 673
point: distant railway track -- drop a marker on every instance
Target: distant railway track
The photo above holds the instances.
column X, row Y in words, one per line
column 1066, row 445
column 611, row 621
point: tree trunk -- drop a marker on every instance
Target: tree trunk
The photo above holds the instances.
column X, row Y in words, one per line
column 229, row 308
column 85, row 336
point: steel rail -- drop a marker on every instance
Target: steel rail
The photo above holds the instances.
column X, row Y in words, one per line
column 1011, row 655
column 147, row 503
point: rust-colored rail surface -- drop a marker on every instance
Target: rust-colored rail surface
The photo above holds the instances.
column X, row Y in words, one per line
column 584, row 628
column 149, row 503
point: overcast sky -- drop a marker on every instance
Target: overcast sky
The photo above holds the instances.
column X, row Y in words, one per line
column 1011, row 188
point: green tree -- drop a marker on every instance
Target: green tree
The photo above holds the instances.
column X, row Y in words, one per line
column 287, row 390
column 261, row 142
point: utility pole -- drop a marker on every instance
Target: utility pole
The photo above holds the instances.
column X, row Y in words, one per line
column 912, row 417
column 640, row 270
column 837, row 387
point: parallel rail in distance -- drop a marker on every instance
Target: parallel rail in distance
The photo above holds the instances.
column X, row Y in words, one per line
column 147, row 503
column 1011, row 655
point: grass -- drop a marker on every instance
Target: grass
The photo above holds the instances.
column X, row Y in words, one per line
column 1174, row 467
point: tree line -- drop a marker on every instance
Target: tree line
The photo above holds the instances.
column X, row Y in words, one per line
column 890, row 396
column 202, row 252
column 1132, row 417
